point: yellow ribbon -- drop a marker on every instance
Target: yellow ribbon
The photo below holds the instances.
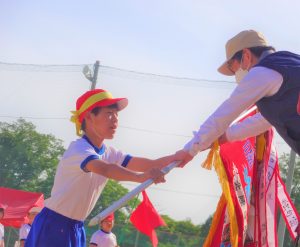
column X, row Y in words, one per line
column 88, row 103
column 214, row 159
column 212, row 156
column 260, row 147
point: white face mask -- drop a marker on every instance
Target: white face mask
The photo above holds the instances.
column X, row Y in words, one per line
column 240, row 74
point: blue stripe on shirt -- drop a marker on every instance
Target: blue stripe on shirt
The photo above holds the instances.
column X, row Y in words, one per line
column 87, row 160
column 126, row 160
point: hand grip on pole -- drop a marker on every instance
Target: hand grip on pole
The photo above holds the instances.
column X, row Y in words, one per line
column 122, row 201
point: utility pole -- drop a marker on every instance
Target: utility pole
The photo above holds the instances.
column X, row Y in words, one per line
column 88, row 74
column 288, row 185
column 137, row 238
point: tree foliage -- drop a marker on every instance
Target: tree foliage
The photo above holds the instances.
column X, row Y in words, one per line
column 295, row 192
column 28, row 158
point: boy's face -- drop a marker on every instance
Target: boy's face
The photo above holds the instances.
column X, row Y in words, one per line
column 107, row 225
column 31, row 217
column 105, row 123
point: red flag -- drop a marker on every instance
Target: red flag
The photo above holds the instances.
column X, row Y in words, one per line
column 145, row 218
column 16, row 205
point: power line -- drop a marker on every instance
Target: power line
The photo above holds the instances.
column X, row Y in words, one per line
column 177, row 191
column 78, row 68
column 121, row 126
column 133, row 185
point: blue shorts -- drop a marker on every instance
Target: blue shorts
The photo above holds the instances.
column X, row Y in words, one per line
column 51, row 229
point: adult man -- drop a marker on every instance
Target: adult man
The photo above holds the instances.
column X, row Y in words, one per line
column 269, row 79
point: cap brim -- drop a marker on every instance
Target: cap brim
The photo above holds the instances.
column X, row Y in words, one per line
column 120, row 102
column 223, row 69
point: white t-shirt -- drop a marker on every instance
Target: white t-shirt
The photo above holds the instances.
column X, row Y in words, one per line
column 75, row 191
column 258, row 83
column 104, row 239
column 1, row 232
column 24, row 231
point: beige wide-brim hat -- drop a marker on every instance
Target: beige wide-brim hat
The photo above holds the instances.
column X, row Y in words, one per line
column 244, row 39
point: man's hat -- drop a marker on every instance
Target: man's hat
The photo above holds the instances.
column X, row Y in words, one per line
column 244, row 39
column 92, row 99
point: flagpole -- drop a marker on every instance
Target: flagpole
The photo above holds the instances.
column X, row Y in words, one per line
column 122, row 201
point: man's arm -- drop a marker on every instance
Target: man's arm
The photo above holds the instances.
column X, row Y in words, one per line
column 260, row 82
column 251, row 126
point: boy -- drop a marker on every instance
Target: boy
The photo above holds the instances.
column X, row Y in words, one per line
column 104, row 237
column 25, row 228
column 84, row 169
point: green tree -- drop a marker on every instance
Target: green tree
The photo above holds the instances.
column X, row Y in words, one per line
column 111, row 193
column 295, row 192
column 28, row 158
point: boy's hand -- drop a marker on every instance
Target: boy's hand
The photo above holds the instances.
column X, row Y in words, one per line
column 180, row 155
column 156, row 174
column 185, row 157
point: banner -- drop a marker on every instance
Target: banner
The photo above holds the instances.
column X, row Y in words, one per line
column 252, row 191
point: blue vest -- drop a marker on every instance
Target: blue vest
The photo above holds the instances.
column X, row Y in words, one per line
column 281, row 109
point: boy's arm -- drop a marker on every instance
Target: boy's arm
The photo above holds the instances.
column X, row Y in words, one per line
column 143, row 164
column 119, row 173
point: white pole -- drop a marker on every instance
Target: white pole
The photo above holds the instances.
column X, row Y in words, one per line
column 122, row 201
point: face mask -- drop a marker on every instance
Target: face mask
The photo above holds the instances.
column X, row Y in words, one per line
column 240, row 73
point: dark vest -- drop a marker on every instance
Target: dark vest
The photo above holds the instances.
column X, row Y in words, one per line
column 281, row 109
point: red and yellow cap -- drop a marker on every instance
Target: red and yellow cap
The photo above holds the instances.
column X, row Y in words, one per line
column 91, row 99
column 109, row 217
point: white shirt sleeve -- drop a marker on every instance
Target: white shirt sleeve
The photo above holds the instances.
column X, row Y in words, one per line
column 1, row 232
column 258, row 83
column 24, row 231
column 251, row 126
column 95, row 238
column 116, row 156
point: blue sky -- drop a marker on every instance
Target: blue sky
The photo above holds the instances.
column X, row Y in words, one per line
column 178, row 38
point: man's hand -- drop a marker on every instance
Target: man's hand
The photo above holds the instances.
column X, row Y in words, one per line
column 185, row 157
